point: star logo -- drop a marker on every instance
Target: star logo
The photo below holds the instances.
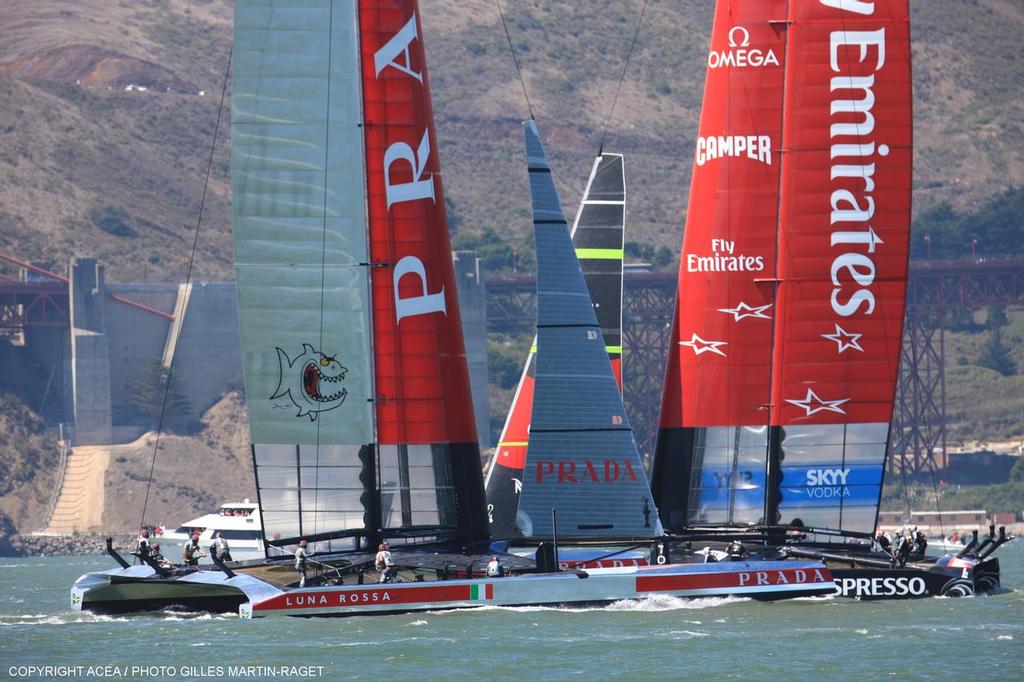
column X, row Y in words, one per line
column 743, row 310
column 844, row 339
column 699, row 345
column 812, row 404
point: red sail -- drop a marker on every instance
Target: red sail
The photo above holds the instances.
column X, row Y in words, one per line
column 845, row 209
column 719, row 364
column 422, row 380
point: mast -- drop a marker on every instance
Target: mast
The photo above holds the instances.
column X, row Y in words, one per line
column 356, row 379
column 844, row 249
column 711, row 457
column 598, row 237
column 582, row 459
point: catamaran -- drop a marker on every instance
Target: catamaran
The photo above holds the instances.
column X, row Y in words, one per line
column 356, row 379
column 785, row 347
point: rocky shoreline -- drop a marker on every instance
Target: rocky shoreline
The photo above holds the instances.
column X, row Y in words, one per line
column 62, row 545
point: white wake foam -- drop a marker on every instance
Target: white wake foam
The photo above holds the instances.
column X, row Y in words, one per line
column 664, row 602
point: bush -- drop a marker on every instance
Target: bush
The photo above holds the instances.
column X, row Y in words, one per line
column 111, row 220
column 995, row 354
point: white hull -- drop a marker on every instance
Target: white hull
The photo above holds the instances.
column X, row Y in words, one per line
column 139, row 589
column 759, row 580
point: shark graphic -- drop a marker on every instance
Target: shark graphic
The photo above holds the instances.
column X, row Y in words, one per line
column 312, row 381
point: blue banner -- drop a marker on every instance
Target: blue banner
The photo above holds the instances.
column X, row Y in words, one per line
column 830, row 486
column 722, row 489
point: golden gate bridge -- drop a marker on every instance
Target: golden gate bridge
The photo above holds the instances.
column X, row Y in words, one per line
column 39, row 298
column 935, row 288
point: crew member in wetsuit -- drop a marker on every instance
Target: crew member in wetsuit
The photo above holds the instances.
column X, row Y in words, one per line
column 191, row 552
column 385, row 564
column 300, row 562
column 495, row 568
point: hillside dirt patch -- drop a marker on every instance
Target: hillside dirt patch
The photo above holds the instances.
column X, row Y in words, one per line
column 192, row 475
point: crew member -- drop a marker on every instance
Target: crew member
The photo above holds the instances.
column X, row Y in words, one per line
column 884, row 541
column 736, row 550
column 385, row 564
column 191, row 552
column 221, row 549
column 142, row 549
column 300, row 562
column 920, row 542
column 902, row 552
column 156, row 556
column 495, row 569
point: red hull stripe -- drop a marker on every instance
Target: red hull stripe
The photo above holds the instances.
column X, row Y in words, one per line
column 711, row 581
column 374, row 596
column 422, row 380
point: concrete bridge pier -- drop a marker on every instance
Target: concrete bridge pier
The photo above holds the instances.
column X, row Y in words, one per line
column 90, row 354
column 473, row 310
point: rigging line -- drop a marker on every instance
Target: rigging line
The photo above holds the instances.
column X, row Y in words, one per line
column 625, row 67
column 903, row 477
column 188, row 279
column 515, row 59
column 323, row 270
column 938, row 507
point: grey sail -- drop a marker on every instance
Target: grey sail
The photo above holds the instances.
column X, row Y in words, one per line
column 582, row 459
column 597, row 236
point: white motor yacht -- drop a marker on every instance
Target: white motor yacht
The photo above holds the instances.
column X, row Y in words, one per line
column 238, row 522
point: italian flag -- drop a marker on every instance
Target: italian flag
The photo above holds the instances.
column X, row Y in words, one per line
column 481, row 592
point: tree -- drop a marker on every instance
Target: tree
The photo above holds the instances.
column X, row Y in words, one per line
column 997, row 316
column 146, row 394
column 1017, row 470
column 995, row 354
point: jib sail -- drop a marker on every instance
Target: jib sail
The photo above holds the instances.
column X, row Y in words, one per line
column 581, row 459
column 597, row 235
column 356, row 382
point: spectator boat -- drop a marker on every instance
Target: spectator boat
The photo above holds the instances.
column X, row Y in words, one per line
column 238, row 523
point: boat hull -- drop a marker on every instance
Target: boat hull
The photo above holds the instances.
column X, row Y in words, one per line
column 963, row 579
column 758, row 580
column 139, row 589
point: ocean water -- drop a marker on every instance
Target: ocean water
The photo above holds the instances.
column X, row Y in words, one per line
column 972, row 639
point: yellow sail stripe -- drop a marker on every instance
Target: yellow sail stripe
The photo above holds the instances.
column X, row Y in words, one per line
column 600, row 254
column 512, row 443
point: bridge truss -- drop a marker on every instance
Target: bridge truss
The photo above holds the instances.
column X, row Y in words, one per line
column 918, row 441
